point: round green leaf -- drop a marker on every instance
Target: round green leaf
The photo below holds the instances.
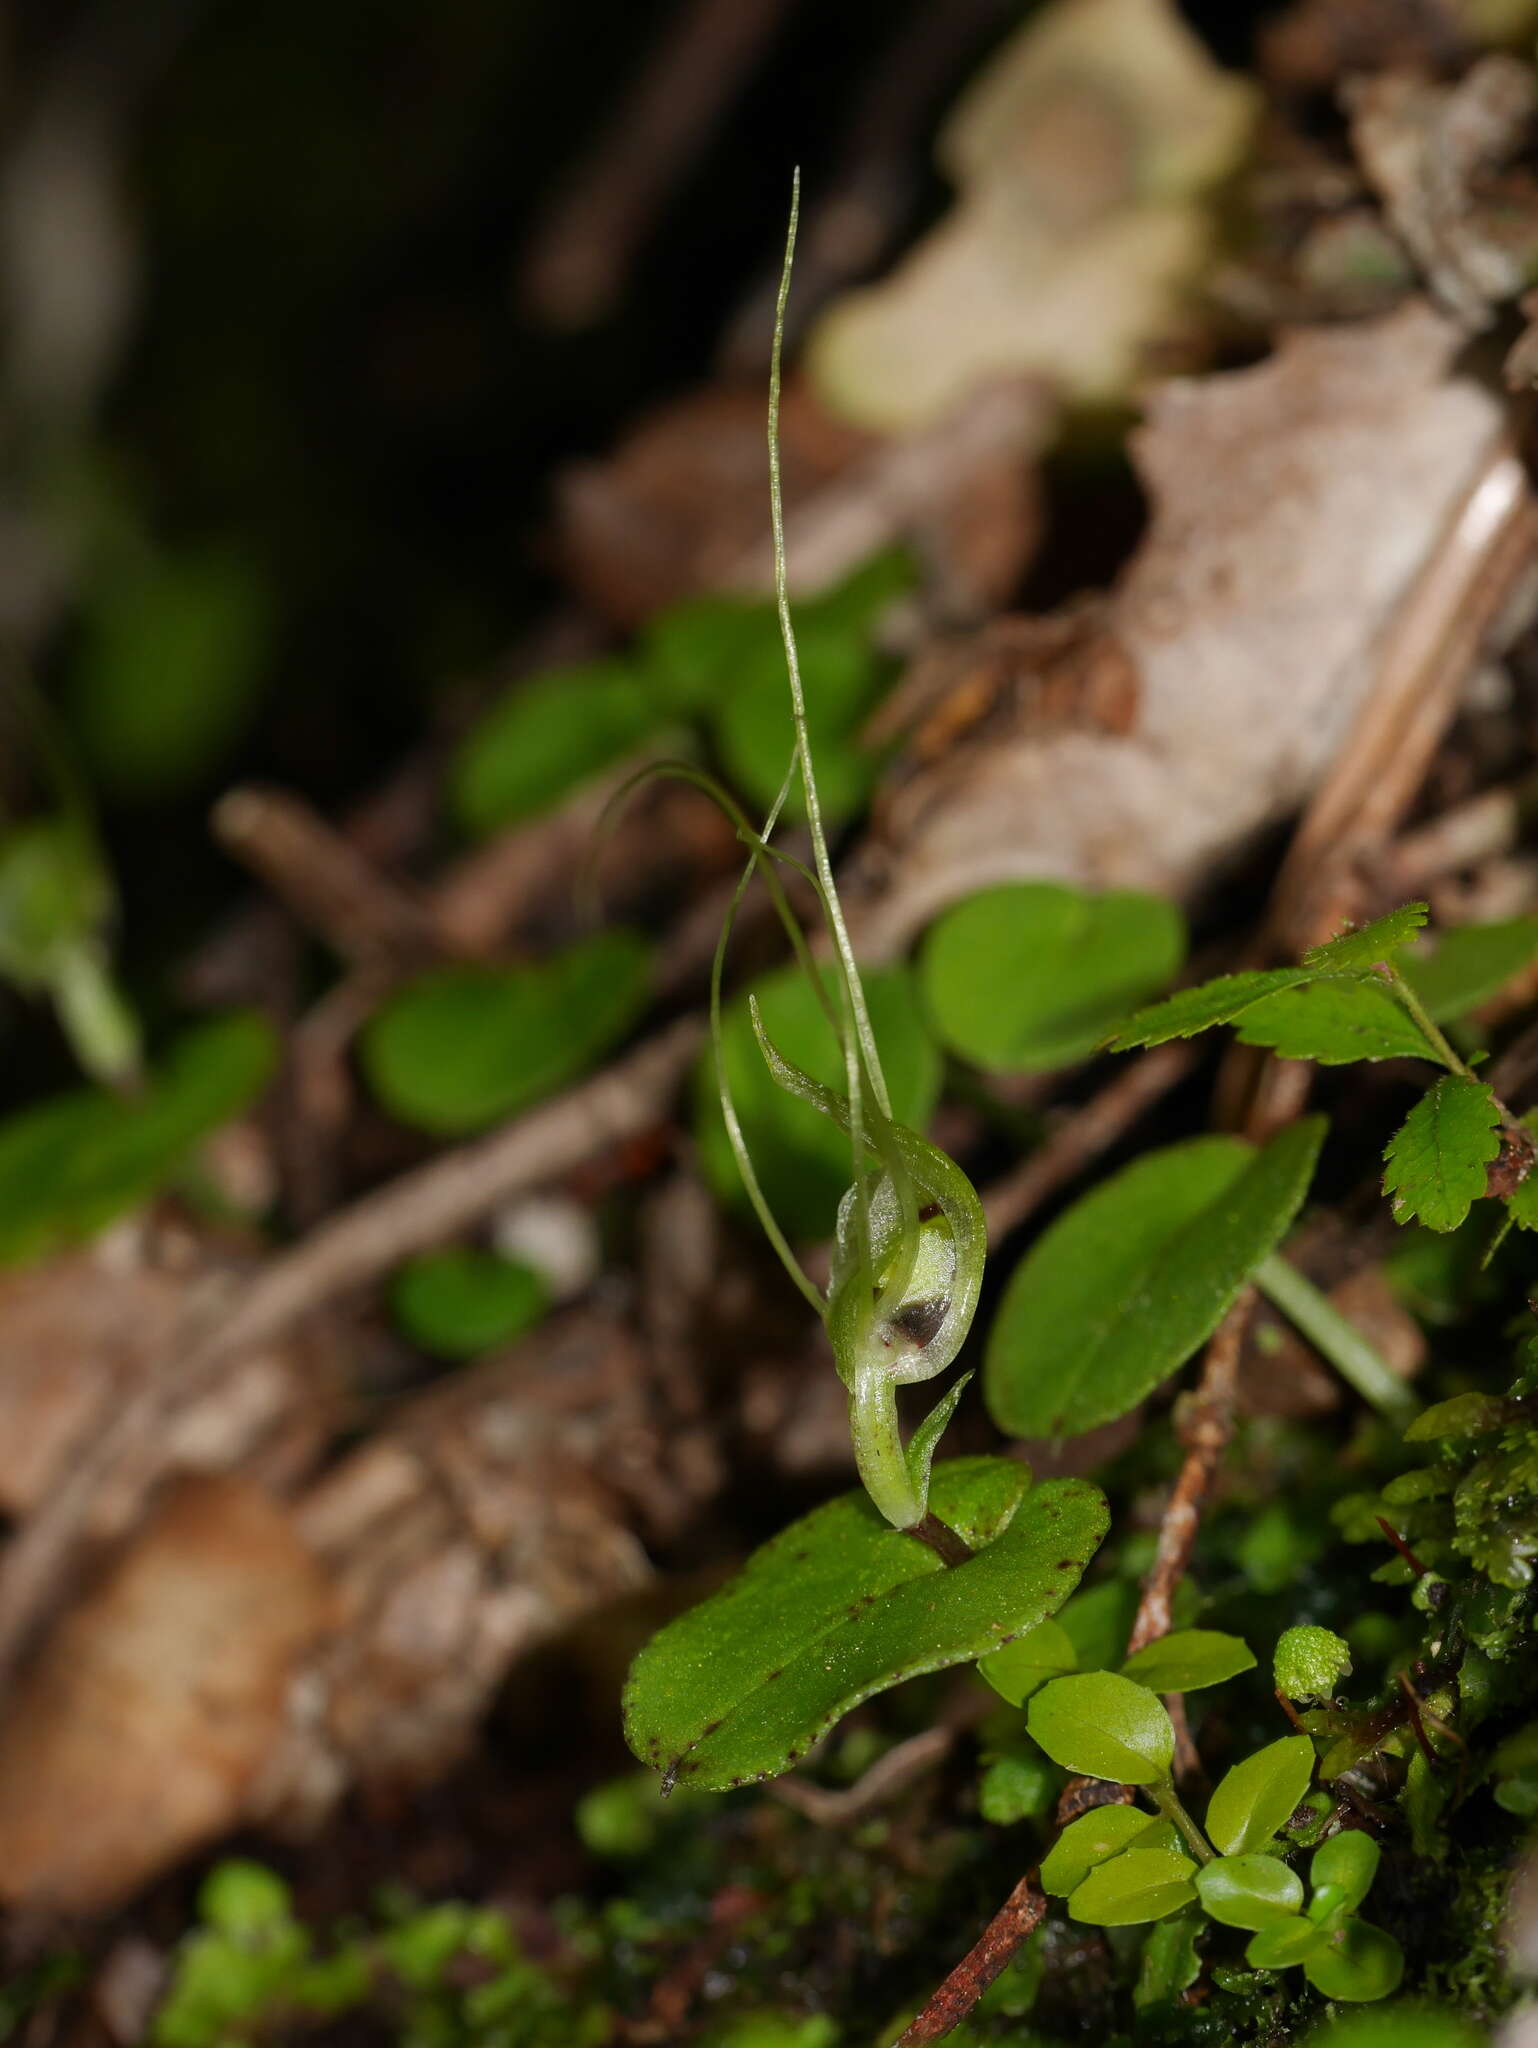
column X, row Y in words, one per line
column 243, row 1898
column 1119, row 1292
column 1402, row 2025
column 802, row 1159
column 1020, row 1667
column 546, row 736
column 1092, row 1839
column 692, row 652
column 1143, row 1884
column 1357, row 1962
column 461, row 1047
column 1098, row 1622
column 840, row 1606
column 1016, row 1788
column 842, row 674
column 1256, row 1797
column 459, row 1302
column 1461, row 969
column 1309, row 1662
column 1103, row 1726
column 1032, row 974
column 1249, row 1891
column 1285, row 1943
column 1342, row 1872
column 167, row 667
column 1189, row 1659
column 70, row 1166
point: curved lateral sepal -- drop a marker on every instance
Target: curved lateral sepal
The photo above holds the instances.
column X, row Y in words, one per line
column 925, row 1440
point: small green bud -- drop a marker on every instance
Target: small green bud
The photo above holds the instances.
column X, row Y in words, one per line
column 1310, row 1662
column 618, row 1820
column 243, row 1899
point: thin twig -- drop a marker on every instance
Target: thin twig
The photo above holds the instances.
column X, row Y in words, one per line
column 332, row 888
column 574, row 273
column 1084, row 1136
column 1205, row 1430
column 992, row 1953
column 887, row 1776
column 415, row 1211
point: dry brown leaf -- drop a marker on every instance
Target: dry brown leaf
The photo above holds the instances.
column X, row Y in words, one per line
column 684, row 493
column 498, row 1510
column 1433, row 154
column 682, row 506
column 1294, row 504
column 77, row 1334
column 137, row 1734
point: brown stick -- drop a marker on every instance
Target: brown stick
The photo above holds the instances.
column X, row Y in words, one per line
column 887, row 1776
column 417, row 1210
column 329, row 885
column 1084, row 1136
column 1018, row 1918
column 576, row 268
column 1205, row 1432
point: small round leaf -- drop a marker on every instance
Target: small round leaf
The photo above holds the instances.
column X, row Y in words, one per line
column 1401, row 2025
column 1249, row 1891
column 1342, row 1872
column 1257, row 1796
column 1143, row 1884
column 458, row 1302
column 1357, row 1962
column 1020, row 1667
column 1016, row 1788
column 1031, row 975
column 462, row 1046
column 1285, row 1943
column 545, row 737
column 1189, row 1659
column 1090, row 1840
column 1104, row 1726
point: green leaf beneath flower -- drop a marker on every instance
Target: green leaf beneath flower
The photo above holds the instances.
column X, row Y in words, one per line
column 840, row 1606
column 71, row 1166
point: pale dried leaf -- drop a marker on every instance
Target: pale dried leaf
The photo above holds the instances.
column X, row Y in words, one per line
column 1082, row 155
column 1294, row 504
column 138, row 1732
